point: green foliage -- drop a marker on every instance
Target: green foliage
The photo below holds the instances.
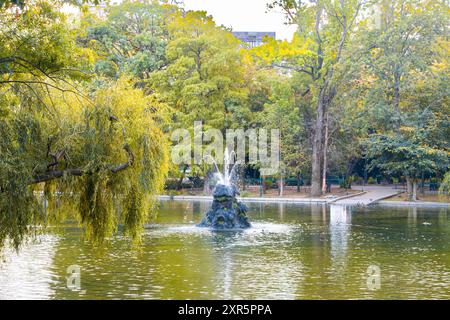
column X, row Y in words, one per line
column 268, row 184
column 399, row 62
column 23, row 3
column 398, row 90
column 281, row 112
column 245, row 194
column 205, row 78
column 100, row 157
column 37, row 45
column 132, row 39
column 398, row 155
column 445, row 184
column 205, row 75
column 314, row 55
column 347, row 182
column 123, row 196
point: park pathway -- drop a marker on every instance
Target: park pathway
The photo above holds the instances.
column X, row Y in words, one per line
column 372, row 194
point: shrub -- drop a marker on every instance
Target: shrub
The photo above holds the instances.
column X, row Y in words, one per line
column 245, row 194
column 445, row 185
column 268, row 184
column 347, row 182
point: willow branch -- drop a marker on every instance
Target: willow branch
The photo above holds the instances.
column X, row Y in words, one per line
column 57, row 174
column 37, row 82
column 129, row 163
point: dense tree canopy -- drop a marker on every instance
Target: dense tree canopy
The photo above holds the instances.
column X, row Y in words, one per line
column 401, row 89
column 370, row 67
column 324, row 28
column 132, row 38
column 205, row 77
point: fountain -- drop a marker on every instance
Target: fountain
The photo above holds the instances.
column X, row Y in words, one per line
column 226, row 213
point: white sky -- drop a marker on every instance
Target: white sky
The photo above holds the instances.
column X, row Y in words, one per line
column 244, row 15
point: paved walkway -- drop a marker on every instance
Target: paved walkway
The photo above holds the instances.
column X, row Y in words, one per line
column 372, row 194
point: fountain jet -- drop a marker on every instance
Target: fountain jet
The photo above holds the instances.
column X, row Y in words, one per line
column 226, row 213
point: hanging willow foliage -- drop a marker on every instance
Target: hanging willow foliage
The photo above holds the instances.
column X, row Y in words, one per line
column 98, row 157
column 104, row 161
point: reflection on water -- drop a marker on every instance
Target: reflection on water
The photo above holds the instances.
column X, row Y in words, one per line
column 28, row 275
column 412, row 215
column 340, row 226
column 292, row 252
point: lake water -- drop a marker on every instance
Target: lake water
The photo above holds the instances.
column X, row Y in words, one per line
column 292, row 252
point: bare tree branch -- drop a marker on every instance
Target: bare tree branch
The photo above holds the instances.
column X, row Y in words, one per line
column 293, row 68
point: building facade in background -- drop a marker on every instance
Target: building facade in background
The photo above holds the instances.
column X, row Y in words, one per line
column 253, row 39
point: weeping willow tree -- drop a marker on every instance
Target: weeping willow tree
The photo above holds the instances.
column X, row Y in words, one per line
column 68, row 140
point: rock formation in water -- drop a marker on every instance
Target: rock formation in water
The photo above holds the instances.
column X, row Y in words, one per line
column 226, row 211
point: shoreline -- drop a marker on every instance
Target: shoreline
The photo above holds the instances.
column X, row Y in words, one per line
column 309, row 201
column 424, row 204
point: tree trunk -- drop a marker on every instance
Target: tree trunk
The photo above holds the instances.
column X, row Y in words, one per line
column 327, row 91
column 325, row 149
column 414, row 190
column 180, row 181
column 260, row 187
column 299, row 176
column 281, row 186
column 263, row 185
column 409, row 188
column 316, row 187
column 422, row 184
